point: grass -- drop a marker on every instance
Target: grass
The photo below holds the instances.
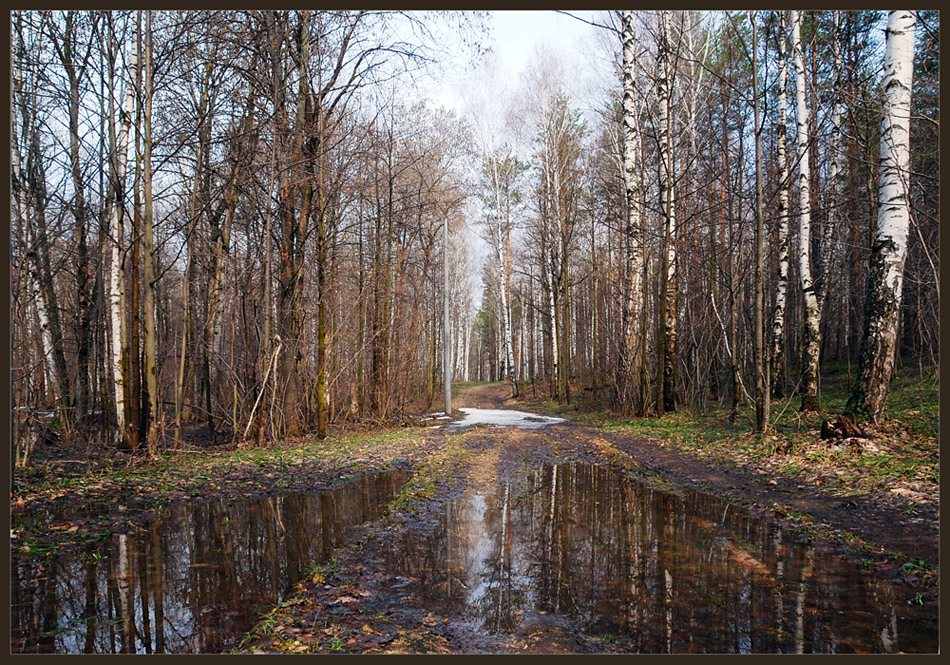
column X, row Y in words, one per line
column 905, row 450
column 435, row 470
column 195, row 470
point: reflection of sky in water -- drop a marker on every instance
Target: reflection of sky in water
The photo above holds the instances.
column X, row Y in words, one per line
column 194, row 580
column 591, row 548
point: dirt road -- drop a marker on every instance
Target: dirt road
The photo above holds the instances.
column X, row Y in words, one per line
column 374, row 596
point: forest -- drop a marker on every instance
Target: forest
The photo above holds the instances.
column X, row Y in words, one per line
column 241, row 230
column 219, row 218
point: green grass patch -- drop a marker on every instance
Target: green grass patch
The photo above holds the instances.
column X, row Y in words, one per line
column 907, row 449
column 435, row 470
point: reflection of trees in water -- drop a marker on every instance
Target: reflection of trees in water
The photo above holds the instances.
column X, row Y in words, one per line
column 571, row 523
column 684, row 573
column 669, row 573
column 503, row 595
column 189, row 581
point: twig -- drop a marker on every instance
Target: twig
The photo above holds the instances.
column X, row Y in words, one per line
column 725, row 340
column 263, row 384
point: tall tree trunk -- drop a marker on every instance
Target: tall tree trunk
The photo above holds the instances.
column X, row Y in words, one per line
column 117, row 305
column 564, row 381
column 446, row 337
column 183, row 357
column 135, row 237
column 889, row 251
column 811, row 345
column 30, row 182
column 666, row 338
column 594, row 318
column 777, row 362
column 761, row 376
column 22, row 200
column 134, row 292
column 506, row 307
column 738, row 389
column 361, row 338
column 44, row 272
column 555, row 345
column 835, row 172
column 631, row 303
column 75, row 72
column 151, row 352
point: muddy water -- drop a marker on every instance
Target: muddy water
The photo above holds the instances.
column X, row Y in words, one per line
column 582, row 546
column 191, row 581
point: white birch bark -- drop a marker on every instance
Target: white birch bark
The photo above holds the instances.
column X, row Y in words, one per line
column 552, row 254
column 506, row 330
column 21, row 208
column 777, row 368
column 889, row 251
column 829, row 234
column 504, row 263
column 633, row 259
column 116, row 272
column 467, row 328
column 552, row 313
column 812, row 342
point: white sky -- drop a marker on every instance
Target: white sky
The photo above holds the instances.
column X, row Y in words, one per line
column 515, row 34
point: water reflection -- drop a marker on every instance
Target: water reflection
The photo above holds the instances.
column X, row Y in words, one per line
column 659, row 572
column 191, row 581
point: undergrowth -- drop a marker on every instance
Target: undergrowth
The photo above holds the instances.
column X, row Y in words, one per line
column 904, row 449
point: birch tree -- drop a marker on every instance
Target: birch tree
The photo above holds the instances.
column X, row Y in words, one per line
column 501, row 196
column 777, row 360
column 811, row 346
column 117, row 272
column 632, row 303
column 30, row 200
column 889, row 251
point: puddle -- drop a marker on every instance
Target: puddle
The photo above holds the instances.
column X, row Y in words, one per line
column 579, row 545
column 502, row 418
column 191, row 581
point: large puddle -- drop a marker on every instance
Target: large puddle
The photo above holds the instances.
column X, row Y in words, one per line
column 191, row 581
column 582, row 545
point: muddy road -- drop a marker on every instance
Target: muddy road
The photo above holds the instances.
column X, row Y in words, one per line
column 565, row 539
column 551, row 537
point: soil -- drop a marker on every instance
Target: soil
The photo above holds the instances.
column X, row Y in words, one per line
column 356, row 606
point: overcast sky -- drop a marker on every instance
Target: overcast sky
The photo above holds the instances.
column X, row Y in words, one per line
column 515, row 35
